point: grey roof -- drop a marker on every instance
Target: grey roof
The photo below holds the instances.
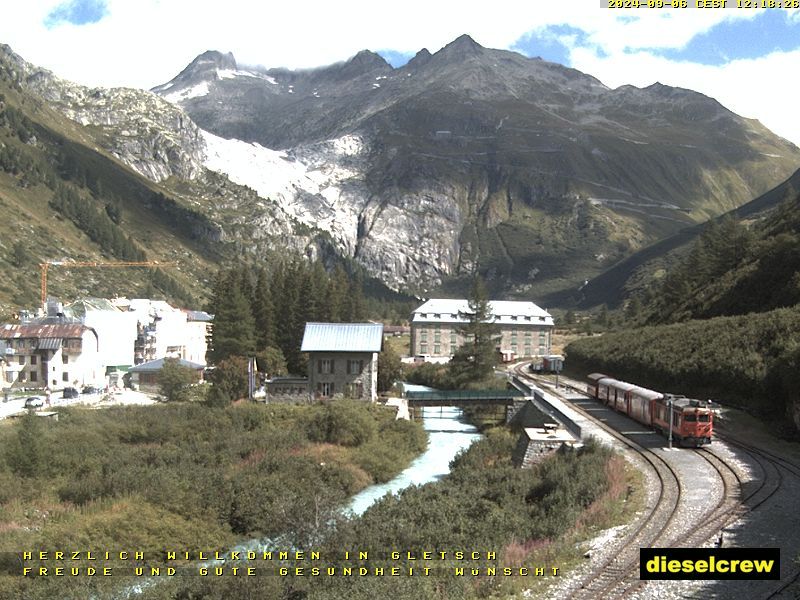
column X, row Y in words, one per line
column 443, row 310
column 49, row 344
column 342, row 337
column 155, row 365
column 199, row 315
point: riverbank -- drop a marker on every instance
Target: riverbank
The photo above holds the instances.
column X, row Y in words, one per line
column 184, row 476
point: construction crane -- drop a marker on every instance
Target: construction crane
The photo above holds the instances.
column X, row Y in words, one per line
column 69, row 264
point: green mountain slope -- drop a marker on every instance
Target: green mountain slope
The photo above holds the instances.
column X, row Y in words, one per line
column 66, row 199
column 749, row 279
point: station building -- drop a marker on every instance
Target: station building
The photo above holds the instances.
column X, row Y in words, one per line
column 523, row 329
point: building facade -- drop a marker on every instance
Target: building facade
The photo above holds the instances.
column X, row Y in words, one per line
column 343, row 359
column 52, row 355
column 523, row 329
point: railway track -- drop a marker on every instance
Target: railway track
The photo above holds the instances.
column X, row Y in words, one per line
column 618, row 575
column 736, row 499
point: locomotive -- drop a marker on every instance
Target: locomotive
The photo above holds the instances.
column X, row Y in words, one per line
column 692, row 421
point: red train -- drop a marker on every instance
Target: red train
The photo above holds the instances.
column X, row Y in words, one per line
column 692, row 420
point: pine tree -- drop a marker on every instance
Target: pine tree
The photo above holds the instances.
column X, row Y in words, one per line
column 234, row 327
column 474, row 361
column 263, row 311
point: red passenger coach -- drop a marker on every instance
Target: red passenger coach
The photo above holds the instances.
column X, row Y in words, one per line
column 692, row 421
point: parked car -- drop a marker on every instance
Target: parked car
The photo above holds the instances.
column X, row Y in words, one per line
column 34, row 402
column 70, row 392
column 90, row 389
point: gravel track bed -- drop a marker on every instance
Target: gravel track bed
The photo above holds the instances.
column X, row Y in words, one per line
column 748, row 494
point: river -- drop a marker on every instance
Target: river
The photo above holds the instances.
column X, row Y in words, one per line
column 448, row 434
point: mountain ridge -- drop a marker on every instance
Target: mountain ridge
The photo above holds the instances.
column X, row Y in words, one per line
column 466, row 160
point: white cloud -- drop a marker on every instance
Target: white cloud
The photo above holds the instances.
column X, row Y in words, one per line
column 147, row 42
column 760, row 88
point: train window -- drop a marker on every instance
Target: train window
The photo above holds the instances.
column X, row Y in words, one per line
column 689, row 418
column 705, row 418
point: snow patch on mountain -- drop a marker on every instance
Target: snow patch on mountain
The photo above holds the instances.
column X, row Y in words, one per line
column 195, row 91
column 319, row 185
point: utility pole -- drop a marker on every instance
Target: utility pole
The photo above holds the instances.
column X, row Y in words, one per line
column 669, row 403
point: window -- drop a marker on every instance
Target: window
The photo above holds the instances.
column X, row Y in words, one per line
column 437, row 336
column 704, row 418
column 423, row 348
column 65, row 358
column 423, row 335
column 437, row 349
column 325, row 365
column 689, row 418
column 528, row 351
column 325, row 389
column 513, row 317
column 33, row 359
column 65, row 376
column 355, row 367
column 21, row 360
column 34, row 376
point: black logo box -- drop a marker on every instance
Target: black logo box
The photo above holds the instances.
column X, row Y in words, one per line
column 709, row 563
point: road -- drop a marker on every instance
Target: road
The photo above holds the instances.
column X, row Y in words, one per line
column 16, row 405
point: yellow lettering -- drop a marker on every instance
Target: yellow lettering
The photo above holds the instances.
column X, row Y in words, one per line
column 283, row 571
column 315, row 555
column 491, row 555
column 27, row 555
column 59, row 555
column 459, row 570
column 251, row 571
column 539, row 571
column 59, row 570
column 395, row 556
column 171, row 556
column 26, row 570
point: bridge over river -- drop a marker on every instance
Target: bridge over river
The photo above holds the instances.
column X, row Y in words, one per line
column 464, row 398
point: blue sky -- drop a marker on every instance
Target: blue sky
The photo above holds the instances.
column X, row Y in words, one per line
column 77, row 12
column 745, row 58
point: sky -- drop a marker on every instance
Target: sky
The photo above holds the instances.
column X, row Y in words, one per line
column 747, row 58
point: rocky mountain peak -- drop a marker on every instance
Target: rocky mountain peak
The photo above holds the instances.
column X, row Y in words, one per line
column 207, row 64
column 420, row 58
column 461, row 48
column 368, row 59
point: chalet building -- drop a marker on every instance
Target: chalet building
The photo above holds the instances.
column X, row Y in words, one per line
column 343, row 359
column 53, row 355
column 523, row 329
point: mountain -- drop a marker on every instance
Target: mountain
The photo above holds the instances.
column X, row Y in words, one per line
column 770, row 222
column 468, row 159
column 471, row 158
